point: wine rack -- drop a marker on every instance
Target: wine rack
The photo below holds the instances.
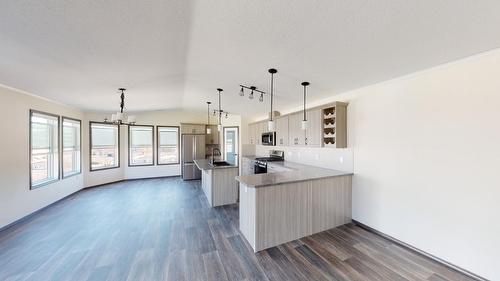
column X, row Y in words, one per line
column 335, row 125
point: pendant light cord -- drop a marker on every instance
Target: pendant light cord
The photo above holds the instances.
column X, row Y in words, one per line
column 272, row 94
column 304, row 102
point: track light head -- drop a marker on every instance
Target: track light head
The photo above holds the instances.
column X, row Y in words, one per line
column 261, row 98
column 251, row 95
column 241, row 92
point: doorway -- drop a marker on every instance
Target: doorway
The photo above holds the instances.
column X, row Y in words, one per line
column 231, row 144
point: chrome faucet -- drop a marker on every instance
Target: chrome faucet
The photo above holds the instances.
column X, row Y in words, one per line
column 213, row 153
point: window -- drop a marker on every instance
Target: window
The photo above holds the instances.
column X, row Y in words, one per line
column 168, row 145
column 140, row 145
column 44, row 148
column 71, row 159
column 104, row 146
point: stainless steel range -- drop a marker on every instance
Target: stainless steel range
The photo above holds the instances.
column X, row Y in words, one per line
column 260, row 166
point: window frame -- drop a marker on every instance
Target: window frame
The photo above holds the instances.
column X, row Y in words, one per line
column 62, row 147
column 158, row 145
column 90, row 146
column 152, row 145
column 32, row 187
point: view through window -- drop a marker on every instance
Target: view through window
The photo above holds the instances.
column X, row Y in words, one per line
column 104, row 146
column 44, row 152
column 168, row 145
column 140, row 145
column 71, row 160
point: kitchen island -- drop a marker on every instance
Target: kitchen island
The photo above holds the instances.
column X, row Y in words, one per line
column 297, row 201
column 218, row 182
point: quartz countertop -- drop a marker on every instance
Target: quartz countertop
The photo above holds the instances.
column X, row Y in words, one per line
column 298, row 172
column 204, row 164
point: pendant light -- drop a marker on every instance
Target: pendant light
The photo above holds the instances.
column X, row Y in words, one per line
column 304, row 120
column 271, row 126
column 219, row 127
column 209, row 130
column 118, row 118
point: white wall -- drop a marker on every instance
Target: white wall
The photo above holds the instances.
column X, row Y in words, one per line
column 426, row 159
column 16, row 198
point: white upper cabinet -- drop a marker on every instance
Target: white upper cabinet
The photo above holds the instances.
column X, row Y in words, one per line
column 313, row 131
column 296, row 136
column 282, row 130
column 193, row 128
column 327, row 127
column 213, row 137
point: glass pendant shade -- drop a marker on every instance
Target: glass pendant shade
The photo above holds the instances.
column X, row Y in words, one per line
column 304, row 124
column 113, row 117
column 119, row 116
column 131, row 119
column 241, row 92
column 271, row 126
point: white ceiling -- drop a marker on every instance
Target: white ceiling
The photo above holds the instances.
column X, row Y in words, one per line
column 174, row 54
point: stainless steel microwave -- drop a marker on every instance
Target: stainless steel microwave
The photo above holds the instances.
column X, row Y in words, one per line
column 269, row 138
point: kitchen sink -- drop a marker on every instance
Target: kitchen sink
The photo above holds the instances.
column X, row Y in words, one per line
column 221, row 163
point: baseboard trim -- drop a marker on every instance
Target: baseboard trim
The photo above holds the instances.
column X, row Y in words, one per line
column 28, row 216
column 420, row 252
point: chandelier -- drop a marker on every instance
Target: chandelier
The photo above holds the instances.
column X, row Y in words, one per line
column 119, row 117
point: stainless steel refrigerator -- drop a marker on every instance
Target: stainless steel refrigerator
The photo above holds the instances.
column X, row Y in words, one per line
column 193, row 147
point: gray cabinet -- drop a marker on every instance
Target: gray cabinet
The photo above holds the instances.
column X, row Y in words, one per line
column 213, row 137
column 313, row 131
column 193, row 129
column 261, row 128
column 296, row 136
column 282, row 131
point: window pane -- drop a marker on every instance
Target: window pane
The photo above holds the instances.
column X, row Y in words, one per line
column 141, row 145
column 44, row 148
column 168, row 145
column 104, row 146
column 71, row 147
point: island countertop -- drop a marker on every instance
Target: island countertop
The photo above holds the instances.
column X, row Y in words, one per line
column 298, row 172
column 204, row 164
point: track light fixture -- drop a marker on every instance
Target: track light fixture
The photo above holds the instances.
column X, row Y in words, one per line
column 253, row 90
column 220, row 111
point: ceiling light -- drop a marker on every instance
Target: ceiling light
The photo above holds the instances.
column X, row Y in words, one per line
column 241, row 92
column 220, row 111
column 270, row 125
column 118, row 118
column 251, row 95
column 209, row 130
column 304, row 120
column 261, row 98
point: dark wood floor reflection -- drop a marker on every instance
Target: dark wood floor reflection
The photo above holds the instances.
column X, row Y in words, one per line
column 163, row 229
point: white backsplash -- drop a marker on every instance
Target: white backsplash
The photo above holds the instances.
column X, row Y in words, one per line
column 331, row 158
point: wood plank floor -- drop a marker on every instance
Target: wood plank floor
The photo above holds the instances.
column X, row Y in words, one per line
column 163, row 229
